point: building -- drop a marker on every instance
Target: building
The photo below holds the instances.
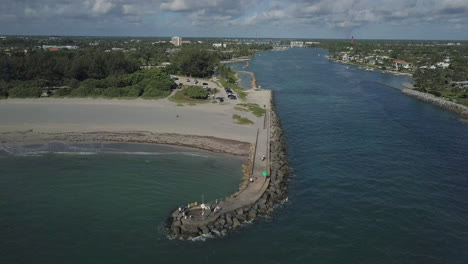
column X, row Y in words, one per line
column 461, row 85
column 401, row 64
column 48, row 47
column 219, row 45
column 443, row 65
column 297, row 44
column 176, row 41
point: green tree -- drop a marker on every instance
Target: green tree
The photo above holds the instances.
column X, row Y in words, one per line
column 196, row 62
column 195, row 92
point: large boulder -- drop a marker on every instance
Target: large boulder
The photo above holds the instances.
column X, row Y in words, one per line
column 235, row 222
column 189, row 230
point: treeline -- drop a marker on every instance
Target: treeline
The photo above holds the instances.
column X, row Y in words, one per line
column 58, row 67
column 441, row 81
column 89, row 73
column 92, row 72
column 194, row 62
column 152, row 83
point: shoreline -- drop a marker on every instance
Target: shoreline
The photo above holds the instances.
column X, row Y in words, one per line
column 426, row 97
column 253, row 83
column 240, row 59
column 438, row 101
column 201, row 143
column 374, row 68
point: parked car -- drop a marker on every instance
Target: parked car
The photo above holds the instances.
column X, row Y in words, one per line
column 221, row 99
column 232, row 97
column 204, row 83
column 196, row 81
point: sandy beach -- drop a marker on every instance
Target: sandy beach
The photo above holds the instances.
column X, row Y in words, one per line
column 207, row 126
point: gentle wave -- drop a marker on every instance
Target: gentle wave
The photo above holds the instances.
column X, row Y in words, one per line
column 86, row 149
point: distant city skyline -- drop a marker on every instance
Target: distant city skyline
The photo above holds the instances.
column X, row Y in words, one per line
column 363, row 19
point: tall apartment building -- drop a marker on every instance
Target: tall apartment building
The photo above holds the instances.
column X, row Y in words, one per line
column 177, row 41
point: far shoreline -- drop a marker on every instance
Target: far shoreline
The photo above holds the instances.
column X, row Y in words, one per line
column 409, row 90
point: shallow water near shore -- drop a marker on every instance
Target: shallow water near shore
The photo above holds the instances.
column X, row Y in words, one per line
column 378, row 177
column 245, row 78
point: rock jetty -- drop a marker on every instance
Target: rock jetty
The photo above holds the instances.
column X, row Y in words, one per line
column 441, row 102
column 188, row 223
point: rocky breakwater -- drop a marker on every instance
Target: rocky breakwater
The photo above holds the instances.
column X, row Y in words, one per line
column 231, row 214
column 441, row 102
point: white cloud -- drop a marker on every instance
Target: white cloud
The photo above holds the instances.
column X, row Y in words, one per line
column 221, row 14
column 102, row 6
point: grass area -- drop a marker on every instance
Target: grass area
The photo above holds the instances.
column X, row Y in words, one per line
column 238, row 108
column 180, row 99
column 255, row 109
column 242, row 120
column 448, row 94
column 241, row 93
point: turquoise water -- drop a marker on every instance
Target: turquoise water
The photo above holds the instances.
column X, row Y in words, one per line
column 378, row 177
column 101, row 203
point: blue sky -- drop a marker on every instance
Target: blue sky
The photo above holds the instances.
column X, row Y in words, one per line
column 397, row 19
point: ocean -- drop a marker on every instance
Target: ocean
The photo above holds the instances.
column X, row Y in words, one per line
column 377, row 177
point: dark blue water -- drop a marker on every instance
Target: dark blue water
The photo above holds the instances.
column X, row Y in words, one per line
column 379, row 177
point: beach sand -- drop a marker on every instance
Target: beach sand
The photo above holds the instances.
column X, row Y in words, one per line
column 207, row 126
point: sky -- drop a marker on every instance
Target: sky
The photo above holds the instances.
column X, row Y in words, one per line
column 363, row 19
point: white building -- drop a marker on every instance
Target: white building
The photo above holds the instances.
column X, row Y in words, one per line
column 59, row 47
column 177, row 41
column 443, row 65
column 219, row 45
column 297, row 44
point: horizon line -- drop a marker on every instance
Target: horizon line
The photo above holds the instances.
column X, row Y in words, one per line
column 204, row 37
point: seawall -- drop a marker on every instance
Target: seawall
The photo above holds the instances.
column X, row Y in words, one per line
column 454, row 107
column 219, row 218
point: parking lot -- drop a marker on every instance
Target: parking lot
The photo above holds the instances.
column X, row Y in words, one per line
column 186, row 81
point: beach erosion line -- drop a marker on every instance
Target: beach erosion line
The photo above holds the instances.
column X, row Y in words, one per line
column 204, row 143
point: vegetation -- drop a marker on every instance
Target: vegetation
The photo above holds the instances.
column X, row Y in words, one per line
column 190, row 95
column 242, row 120
column 195, row 92
column 57, row 68
column 436, row 66
column 253, row 108
column 227, row 78
column 195, row 62
column 80, row 74
column 105, row 67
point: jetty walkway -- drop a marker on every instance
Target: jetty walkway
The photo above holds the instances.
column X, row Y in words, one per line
column 256, row 196
column 198, row 216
